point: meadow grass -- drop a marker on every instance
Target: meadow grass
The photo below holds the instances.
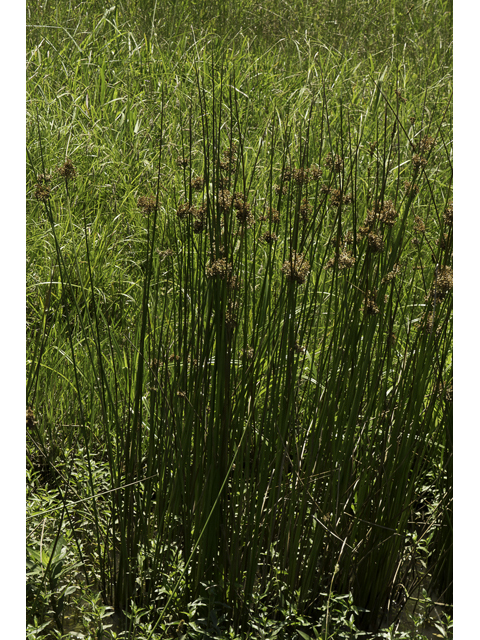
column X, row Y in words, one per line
column 239, row 318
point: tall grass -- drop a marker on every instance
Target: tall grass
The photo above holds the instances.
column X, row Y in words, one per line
column 239, row 308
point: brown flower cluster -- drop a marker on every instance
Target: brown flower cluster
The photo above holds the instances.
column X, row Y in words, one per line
column 67, row 170
column 146, row 204
column 199, row 215
column 222, row 270
column 375, row 241
column 448, row 215
column 30, row 419
column 200, row 219
column 297, row 268
column 229, row 159
column 334, row 162
column 392, row 274
column 305, row 210
column 242, row 210
column 269, row 238
column 42, row 190
column 385, row 214
column 182, row 162
column 444, row 283
column 302, row 175
column 345, row 261
column 272, row 215
column 231, row 315
column 418, row 161
column 425, row 145
column 197, row 184
column 419, row 226
column 336, row 198
column 224, row 200
column 370, row 304
column 388, row 213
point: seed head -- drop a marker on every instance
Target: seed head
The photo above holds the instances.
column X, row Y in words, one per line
column 448, row 215
column 146, row 204
column 370, row 305
column 30, row 419
column 197, row 184
column 418, row 161
column 305, row 210
column 425, row 145
column 242, row 208
column 225, row 200
column 269, row 238
column 388, row 213
column 297, row 268
column 200, row 219
column 334, row 162
column 376, row 243
column 419, row 226
column 67, row 170
column 444, row 282
column 392, row 274
column 42, row 192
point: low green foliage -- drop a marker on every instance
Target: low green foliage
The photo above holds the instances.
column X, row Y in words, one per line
column 239, row 320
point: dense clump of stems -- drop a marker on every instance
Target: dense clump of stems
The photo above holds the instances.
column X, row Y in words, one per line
column 248, row 338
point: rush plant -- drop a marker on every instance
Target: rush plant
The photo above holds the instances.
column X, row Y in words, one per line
column 240, row 321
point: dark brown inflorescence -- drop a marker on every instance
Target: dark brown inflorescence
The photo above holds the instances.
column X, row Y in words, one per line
column 269, row 238
column 30, row 419
column 67, row 170
column 197, row 184
column 334, row 162
column 345, row 260
column 444, row 282
column 146, row 204
column 392, row 274
column 242, row 209
column 370, row 304
column 297, row 268
column 448, row 215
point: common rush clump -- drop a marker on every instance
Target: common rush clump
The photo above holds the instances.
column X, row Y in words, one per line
column 239, row 318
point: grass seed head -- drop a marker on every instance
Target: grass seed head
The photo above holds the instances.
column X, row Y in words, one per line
column 334, row 162
column 418, row 161
column 371, row 307
column 67, row 170
column 419, row 226
column 197, row 184
column 444, row 283
column 376, row 243
column 225, row 200
column 448, row 215
column 42, row 192
column 305, row 210
column 30, row 419
column 388, row 213
column 269, row 238
column 297, row 268
column 146, row 204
